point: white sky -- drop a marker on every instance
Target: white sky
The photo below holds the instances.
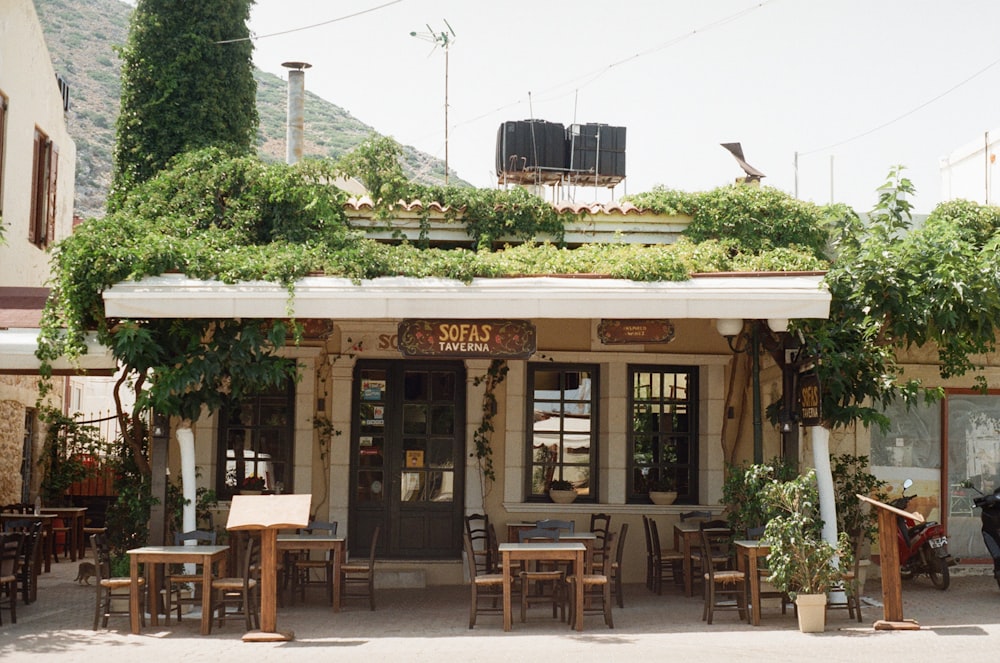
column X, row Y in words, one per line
column 780, row 76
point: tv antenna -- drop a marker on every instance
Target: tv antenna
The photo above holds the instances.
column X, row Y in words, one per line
column 444, row 39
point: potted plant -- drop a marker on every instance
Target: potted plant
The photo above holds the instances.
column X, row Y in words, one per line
column 802, row 563
column 252, row 485
column 852, row 477
column 562, row 491
column 662, row 490
column 742, row 493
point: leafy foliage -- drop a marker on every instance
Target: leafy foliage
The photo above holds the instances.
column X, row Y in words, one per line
column 742, row 492
column 181, row 88
column 852, row 477
column 68, row 447
column 799, row 559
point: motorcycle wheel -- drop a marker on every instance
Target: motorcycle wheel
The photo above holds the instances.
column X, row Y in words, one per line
column 937, row 569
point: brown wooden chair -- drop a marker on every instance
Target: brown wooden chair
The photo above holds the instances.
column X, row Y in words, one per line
column 725, row 588
column 850, row 580
column 596, row 588
column 477, row 529
column 666, row 562
column 548, row 583
column 358, row 578
column 236, row 597
column 600, row 523
column 616, row 565
column 486, row 588
column 176, row 583
column 111, row 591
column 302, row 567
column 10, row 558
column 30, row 565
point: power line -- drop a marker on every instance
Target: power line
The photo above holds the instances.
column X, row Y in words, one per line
column 309, row 27
column 906, row 114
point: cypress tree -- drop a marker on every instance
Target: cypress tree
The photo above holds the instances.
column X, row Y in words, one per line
column 181, row 88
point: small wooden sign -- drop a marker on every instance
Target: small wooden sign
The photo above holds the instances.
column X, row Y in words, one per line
column 620, row 332
column 810, row 400
column 498, row 339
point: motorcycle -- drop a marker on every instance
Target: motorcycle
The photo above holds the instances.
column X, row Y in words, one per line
column 923, row 547
column 990, row 516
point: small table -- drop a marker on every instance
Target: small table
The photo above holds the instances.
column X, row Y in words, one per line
column 687, row 534
column 747, row 554
column 335, row 544
column 76, row 517
column 542, row 552
column 153, row 556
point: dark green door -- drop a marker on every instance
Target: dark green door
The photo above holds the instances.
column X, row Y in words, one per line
column 407, row 457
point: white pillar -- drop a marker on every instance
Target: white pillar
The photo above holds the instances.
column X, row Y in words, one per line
column 827, row 502
column 185, row 441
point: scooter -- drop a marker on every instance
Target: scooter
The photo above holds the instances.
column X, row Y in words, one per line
column 990, row 515
column 923, row 547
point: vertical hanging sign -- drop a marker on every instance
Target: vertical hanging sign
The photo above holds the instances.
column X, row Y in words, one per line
column 809, row 400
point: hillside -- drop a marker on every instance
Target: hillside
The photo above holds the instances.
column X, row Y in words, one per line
column 83, row 37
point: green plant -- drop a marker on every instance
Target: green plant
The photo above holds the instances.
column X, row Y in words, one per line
column 742, row 492
column 664, row 483
column 851, row 477
column 561, row 484
column 68, row 455
column 495, row 375
column 800, row 560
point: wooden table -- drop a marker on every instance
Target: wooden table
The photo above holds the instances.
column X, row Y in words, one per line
column 154, row 556
column 687, row 535
column 48, row 538
column 541, row 552
column 75, row 516
column 747, row 554
column 335, row 544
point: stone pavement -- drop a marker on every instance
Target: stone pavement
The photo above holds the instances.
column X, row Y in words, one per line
column 432, row 625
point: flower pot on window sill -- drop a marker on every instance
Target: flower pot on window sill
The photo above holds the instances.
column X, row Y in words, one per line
column 662, row 496
column 562, row 496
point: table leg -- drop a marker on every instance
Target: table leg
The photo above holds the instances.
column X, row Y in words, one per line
column 338, row 558
column 133, row 602
column 753, row 577
column 580, row 571
column 152, row 593
column 688, row 573
column 206, row 597
column 506, row 591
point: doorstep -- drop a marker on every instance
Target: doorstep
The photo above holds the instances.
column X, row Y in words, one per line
column 417, row 573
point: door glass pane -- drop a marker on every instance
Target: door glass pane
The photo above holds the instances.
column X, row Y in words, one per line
column 411, row 487
column 414, row 419
column 440, row 486
column 441, row 453
column 442, row 419
column 415, row 386
column 443, row 387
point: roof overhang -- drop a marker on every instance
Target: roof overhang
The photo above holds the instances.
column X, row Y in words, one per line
column 17, row 356
column 744, row 295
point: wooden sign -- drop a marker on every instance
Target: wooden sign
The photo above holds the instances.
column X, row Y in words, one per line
column 810, row 400
column 620, row 332
column 498, row 339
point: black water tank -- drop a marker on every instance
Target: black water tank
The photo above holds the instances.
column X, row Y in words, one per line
column 596, row 148
column 531, row 145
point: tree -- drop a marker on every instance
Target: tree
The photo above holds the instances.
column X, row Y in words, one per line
column 187, row 82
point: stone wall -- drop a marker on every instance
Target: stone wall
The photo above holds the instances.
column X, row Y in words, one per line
column 11, row 445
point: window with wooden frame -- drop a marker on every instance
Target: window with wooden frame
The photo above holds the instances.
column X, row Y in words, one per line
column 44, row 169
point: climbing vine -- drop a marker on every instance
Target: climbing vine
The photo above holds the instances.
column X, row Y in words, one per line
column 493, row 378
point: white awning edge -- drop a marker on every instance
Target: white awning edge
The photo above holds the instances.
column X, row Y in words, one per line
column 755, row 296
column 17, row 354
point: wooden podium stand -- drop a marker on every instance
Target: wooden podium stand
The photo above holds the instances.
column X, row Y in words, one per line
column 268, row 513
column 892, row 590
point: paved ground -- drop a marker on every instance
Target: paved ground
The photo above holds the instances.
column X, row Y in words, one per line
column 962, row 623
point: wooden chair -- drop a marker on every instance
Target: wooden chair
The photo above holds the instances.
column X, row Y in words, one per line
column 111, row 590
column 486, row 596
column 695, row 515
column 665, row 561
column 698, row 562
column 477, row 528
column 494, row 544
column 568, row 526
column 600, row 523
column 358, row 578
column 302, row 566
column 175, row 583
column 852, row 591
column 725, row 589
column 30, row 565
column 10, row 558
column 589, row 583
column 552, row 579
column 240, row 592
column 649, row 554
column 616, row 566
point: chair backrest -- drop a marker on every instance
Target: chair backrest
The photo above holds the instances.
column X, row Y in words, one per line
column 695, row 515
column 371, row 553
column 20, row 525
column 470, row 556
column 754, row 533
column 649, row 539
column 477, row 528
column 600, row 523
column 10, row 554
column 251, row 560
column 200, row 537
column 568, row 526
column 620, row 548
column 537, row 534
column 493, row 559
column 608, row 562
column 715, row 548
column 654, row 537
column 713, row 524
column 102, row 557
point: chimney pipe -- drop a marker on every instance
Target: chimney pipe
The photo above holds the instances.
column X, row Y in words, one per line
column 296, row 110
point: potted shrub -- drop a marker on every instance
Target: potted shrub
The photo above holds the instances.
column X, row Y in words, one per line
column 742, row 493
column 662, row 490
column 562, row 491
column 802, row 563
column 852, row 477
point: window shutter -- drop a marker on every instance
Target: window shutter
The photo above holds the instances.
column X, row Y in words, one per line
column 35, row 183
column 50, row 208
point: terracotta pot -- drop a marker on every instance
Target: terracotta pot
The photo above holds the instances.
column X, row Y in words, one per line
column 662, row 496
column 562, row 496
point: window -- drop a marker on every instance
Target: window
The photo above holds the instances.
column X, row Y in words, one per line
column 256, row 438
column 3, row 145
column 562, row 442
column 44, row 168
column 663, row 435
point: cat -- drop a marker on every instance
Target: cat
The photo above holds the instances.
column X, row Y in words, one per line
column 85, row 572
